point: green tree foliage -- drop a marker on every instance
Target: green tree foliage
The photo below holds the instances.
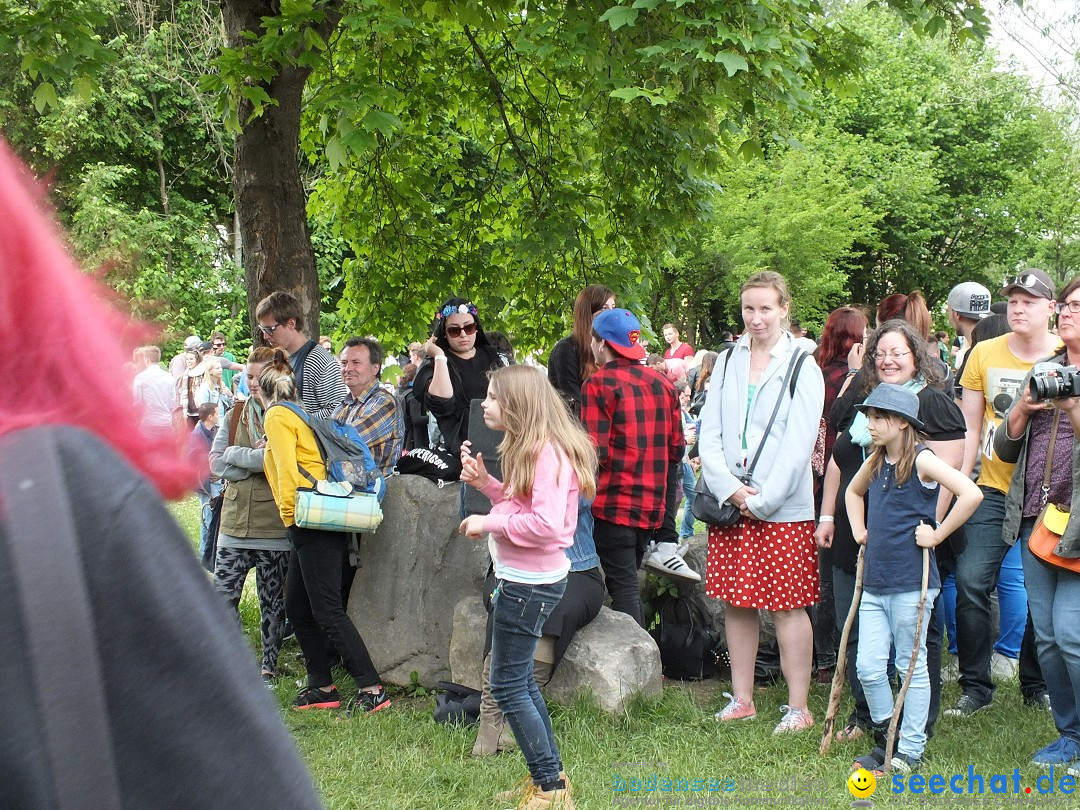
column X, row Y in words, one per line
column 139, row 165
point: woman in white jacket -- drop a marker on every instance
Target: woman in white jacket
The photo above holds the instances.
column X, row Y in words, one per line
column 768, row 558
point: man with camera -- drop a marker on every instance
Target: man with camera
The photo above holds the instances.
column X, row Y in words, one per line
column 993, row 375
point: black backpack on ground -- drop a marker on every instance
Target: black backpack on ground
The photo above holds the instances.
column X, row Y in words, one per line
column 691, row 649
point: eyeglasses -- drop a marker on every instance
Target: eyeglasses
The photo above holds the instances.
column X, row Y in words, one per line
column 268, row 330
column 890, row 355
column 1072, row 306
column 455, row 331
column 1029, row 280
column 219, row 345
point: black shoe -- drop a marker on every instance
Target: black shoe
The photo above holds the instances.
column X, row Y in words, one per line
column 902, row 763
column 312, row 697
column 966, row 706
column 874, row 761
column 368, row 703
column 1040, row 700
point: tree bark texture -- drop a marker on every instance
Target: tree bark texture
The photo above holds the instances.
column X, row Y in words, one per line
column 270, row 197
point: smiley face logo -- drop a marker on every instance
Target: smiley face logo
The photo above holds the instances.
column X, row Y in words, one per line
column 861, row 783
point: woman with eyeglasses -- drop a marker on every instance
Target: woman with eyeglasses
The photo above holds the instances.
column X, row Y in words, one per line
column 1037, row 435
column 459, row 358
column 897, row 353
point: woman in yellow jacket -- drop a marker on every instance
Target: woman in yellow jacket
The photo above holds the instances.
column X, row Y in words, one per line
column 313, row 587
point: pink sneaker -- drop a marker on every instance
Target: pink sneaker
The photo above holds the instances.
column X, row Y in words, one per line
column 736, row 709
column 793, row 720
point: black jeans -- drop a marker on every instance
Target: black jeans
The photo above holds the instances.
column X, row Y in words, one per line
column 621, row 549
column 314, row 606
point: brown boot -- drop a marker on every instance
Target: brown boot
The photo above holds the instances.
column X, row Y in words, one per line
column 555, row 799
column 525, row 788
column 492, row 722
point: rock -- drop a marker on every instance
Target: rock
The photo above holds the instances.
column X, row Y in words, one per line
column 415, row 569
column 612, row 658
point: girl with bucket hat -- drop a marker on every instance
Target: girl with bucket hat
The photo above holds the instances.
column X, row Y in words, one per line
column 898, row 527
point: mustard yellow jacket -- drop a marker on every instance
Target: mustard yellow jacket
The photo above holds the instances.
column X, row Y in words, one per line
column 289, row 442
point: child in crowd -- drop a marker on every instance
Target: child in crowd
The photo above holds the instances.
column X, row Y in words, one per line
column 198, row 453
column 901, row 478
column 547, row 460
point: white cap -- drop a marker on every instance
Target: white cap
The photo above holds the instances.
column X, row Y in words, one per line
column 192, row 342
column 970, row 299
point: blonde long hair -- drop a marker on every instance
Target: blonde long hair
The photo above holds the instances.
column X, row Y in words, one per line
column 535, row 414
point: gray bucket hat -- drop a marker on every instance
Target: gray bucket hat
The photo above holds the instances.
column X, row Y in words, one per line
column 894, row 399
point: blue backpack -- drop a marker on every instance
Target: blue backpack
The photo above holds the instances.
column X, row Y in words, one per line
column 344, row 451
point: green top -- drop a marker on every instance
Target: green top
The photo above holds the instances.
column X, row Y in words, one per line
column 751, row 389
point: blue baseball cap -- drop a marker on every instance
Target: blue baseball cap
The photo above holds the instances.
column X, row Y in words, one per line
column 622, row 331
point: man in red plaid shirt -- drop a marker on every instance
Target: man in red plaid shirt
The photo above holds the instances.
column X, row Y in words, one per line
column 632, row 414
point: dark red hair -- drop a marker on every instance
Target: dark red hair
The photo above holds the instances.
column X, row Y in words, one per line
column 843, row 329
column 65, row 344
column 910, row 308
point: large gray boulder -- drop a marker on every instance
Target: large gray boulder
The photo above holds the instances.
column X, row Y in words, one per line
column 611, row 659
column 414, row 570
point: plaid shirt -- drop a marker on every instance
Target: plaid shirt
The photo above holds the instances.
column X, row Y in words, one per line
column 632, row 414
column 377, row 417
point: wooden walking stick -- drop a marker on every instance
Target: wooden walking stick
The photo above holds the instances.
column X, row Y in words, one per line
column 890, row 740
column 840, row 674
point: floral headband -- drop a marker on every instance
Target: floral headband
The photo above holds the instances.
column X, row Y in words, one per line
column 460, row 309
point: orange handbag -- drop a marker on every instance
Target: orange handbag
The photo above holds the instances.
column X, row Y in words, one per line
column 1046, row 536
column 1051, row 523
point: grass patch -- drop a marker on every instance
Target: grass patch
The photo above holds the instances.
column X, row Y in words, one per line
column 401, row 758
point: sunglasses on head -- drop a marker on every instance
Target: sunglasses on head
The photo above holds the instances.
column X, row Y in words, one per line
column 455, row 331
column 1029, row 280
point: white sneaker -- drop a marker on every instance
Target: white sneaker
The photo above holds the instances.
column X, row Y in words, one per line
column 1003, row 668
column 666, row 558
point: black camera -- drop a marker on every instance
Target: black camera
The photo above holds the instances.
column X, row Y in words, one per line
column 1053, row 381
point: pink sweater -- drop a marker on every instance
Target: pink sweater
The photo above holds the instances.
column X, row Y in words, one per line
column 530, row 532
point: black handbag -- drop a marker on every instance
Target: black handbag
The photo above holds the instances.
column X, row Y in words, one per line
column 456, row 704
column 690, row 649
column 707, row 507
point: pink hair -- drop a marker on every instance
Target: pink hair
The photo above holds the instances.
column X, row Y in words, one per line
column 65, row 344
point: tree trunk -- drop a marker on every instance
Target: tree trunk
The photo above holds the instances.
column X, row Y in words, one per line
column 270, row 198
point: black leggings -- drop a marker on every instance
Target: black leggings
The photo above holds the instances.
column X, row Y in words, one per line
column 314, row 606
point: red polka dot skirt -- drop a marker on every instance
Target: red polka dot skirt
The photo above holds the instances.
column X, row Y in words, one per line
column 757, row 564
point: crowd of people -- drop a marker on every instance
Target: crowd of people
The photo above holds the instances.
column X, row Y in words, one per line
column 875, row 438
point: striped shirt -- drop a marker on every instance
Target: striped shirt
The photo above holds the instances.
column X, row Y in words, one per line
column 377, row 416
column 320, row 383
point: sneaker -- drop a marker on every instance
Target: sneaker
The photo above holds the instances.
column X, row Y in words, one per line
column 966, row 706
column 736, row 709
column 905, row 763
column 1073, row 771
column 368, row 703
column 312, row 697
column 666, row 558
column 1062, row 751
column 1002, row 668
column 1038, row 701
column 793, row 720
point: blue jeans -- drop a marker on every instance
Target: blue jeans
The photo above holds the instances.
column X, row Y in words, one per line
column 976, row 577
column 1054, row 603
column 518, row 613
column 1012, row 605
column 887, row 622
column 689, row 482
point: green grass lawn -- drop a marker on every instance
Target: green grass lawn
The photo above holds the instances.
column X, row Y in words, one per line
column 401, row 758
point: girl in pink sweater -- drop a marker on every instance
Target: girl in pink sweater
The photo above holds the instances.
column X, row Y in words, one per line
column 547, row 459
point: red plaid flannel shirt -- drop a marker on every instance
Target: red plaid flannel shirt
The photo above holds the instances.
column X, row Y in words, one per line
column 632, row 414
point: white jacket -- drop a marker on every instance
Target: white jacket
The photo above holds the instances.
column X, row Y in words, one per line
column 782, row 476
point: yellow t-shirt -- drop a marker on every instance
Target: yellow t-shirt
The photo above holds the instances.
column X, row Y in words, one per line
column 993, row 369
column 288, row 442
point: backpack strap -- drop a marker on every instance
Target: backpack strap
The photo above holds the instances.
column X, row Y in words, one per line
column 298, row 367
column 62, row 650
column 795, row 374
column 234, row 421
